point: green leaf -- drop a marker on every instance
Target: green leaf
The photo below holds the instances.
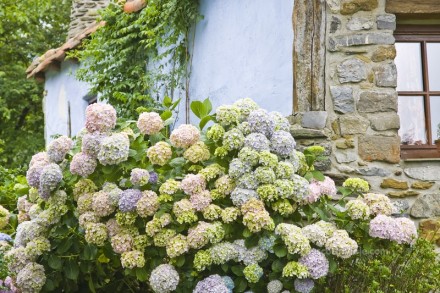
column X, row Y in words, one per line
column 204, row 121
column 71, row 270
column 166, row 115
column 197, row 108
column 240, row 284
column 318, row 175
column 167, row 102
column 177, row 162
column 64, row 246
column 237, row 270
column 320, row 212
column 277, row 265
column 55, row 262
column 332, row 265
column 280, row 250
column 180, row 261
column 141, row 274
column 208, row 106
column 91, row 285
column 89, row 252
column 247, row 233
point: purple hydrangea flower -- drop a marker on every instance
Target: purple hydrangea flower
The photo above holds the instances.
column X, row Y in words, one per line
column 211, row 284
column 257, row 141
column 304, row 285
column 282, row 143
column 5, row 237
column 316, row 263
column 129, row 199
column 153, row 177
column 260, row 121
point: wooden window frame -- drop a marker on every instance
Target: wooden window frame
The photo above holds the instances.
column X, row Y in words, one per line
column 422, row 34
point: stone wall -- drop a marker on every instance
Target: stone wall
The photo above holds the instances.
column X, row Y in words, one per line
column 83, row 14
column 359, row 127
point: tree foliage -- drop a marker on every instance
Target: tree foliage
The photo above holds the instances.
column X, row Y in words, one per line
column 28, row 28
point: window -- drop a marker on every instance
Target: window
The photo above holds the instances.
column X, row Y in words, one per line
column 418, row 87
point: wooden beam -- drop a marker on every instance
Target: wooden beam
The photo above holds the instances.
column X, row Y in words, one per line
column 413, row 6
column 309, row 26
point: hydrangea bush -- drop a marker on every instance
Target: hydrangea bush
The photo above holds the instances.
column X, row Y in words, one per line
column 236, row 208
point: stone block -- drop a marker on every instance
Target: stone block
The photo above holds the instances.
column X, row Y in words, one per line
column 314, row 119
column 334, row 5
column 373, row 171
column 360, row 23
column 384, row 121
column 352, row 70
column 423, row 173
column 343, row 101
column 379, row 148
column 347, row 156
column 430, row 230
column 353, row 6
column 426, row 206
column 385, row 75
column 377, row 101
column 402, row 194
column 386, row 22
column 400, row 207
column 345, row 144
column 307, row 133
column 338, row 178
column 353, row 124
column 393, row 183
column 383, row 53
column 422, row 185
column 359, row 39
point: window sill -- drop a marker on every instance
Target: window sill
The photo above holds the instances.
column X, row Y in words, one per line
column 419, row 153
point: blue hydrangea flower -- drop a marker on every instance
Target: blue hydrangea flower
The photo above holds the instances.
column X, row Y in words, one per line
column 129, row 199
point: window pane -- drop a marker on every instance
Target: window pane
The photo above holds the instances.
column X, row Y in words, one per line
column 409, row 67
column 435, row 117
column 412, row 120
column 433, row 50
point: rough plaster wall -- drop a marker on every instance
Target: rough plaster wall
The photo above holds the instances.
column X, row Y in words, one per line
column 244, row 49
column 62, row 87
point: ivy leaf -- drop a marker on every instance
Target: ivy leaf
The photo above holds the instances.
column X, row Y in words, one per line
column 280, row 250
column 71, row 270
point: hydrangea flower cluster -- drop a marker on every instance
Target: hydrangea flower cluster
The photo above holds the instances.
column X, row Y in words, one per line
column 164, row 206
column 58, row 148
column 150, row 123
column 100, row 118
column 401, row 230
column 4, row 217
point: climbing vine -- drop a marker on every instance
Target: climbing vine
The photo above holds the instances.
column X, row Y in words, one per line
column 137, row 57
